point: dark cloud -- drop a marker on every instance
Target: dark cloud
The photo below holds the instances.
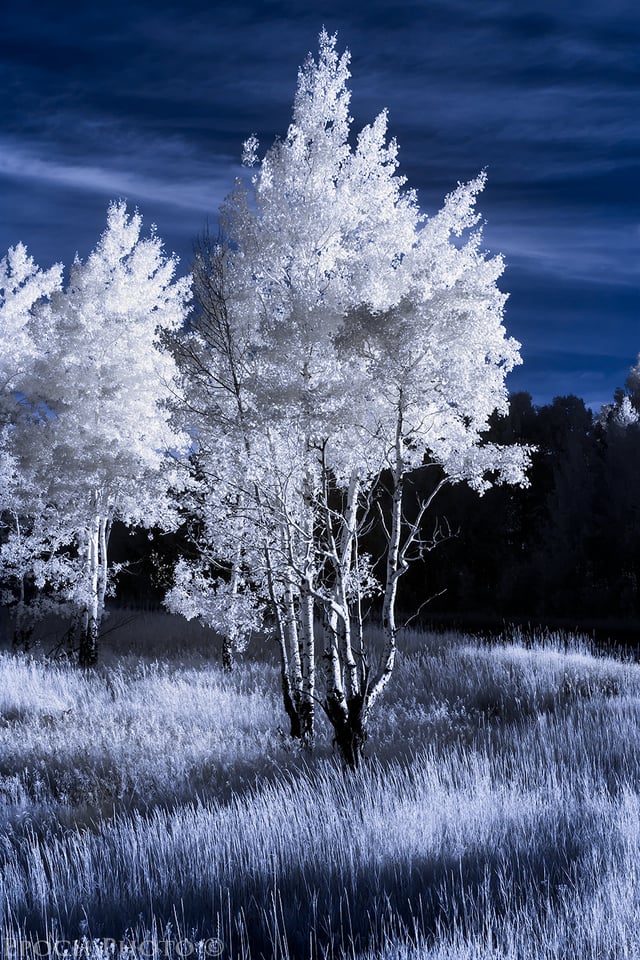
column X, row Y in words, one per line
column 152, row 101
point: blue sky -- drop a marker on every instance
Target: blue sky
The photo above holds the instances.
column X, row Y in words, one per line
column 152, row 101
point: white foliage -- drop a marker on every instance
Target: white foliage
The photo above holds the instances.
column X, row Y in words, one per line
column 22, row 285
column 318, row 234
column 439, row 356
column 358, row 299
column 228, row 608
column 625, row 414
column 361, row 581
column 105, row 376
column 95, row 438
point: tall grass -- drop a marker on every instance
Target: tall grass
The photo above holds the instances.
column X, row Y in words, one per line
column 498, row 816
column 137, row 732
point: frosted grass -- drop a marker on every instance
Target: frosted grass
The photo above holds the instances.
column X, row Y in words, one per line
column 501, row 817
column 77, row 746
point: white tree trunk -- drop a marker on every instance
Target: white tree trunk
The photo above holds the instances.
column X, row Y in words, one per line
column 394, row 569
column 353, row 680
column 308, row 662
column 96, row 581
column 344, row 679
column 88, row 652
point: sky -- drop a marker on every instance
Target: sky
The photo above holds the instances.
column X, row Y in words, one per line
column 151, row 102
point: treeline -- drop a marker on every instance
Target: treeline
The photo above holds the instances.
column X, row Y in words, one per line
column 568, row 545
column 565, row 547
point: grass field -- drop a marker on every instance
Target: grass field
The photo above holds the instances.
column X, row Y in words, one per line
column 157, row 800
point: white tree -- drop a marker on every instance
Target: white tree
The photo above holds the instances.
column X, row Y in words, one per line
column 22, row 286
column 214, row 362
column 360, row 337
column 310, row 245
column 324, row 227
column 625, row 410
column 101, row 447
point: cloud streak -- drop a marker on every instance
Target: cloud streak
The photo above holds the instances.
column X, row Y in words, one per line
column 591, row 253
column 186, row 194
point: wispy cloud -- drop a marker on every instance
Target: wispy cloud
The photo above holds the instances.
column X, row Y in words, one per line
column 583, row 250
column 199, row 195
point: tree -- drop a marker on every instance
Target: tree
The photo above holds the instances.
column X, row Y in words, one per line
column 23, row 285
column 360, row 338
column 99, row 440
column 213, row 360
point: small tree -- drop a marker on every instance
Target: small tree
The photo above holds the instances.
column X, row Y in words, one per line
column 22, row 287
column 100, row 440
column 214, row 359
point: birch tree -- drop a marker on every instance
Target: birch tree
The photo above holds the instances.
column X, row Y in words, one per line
column 364, row 338
column 213, row 360
column 294, row 269
column 23, row 285
column 101, row 447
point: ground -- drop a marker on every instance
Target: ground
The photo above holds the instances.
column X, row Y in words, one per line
column 158, row 801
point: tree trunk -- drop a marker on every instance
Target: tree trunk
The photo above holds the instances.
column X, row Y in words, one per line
column 345, row 713
column 95, row 567
column 228, row 654
column 307, row 698
column 292, row 707
column 348, row 541
column 104, row 530
column 395, row 568
column 349, row 714
column 287, row 636
column 348, row 720
column 23, row 624
column 88, row 651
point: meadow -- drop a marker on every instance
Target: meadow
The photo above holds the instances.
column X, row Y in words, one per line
column 158, row 802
